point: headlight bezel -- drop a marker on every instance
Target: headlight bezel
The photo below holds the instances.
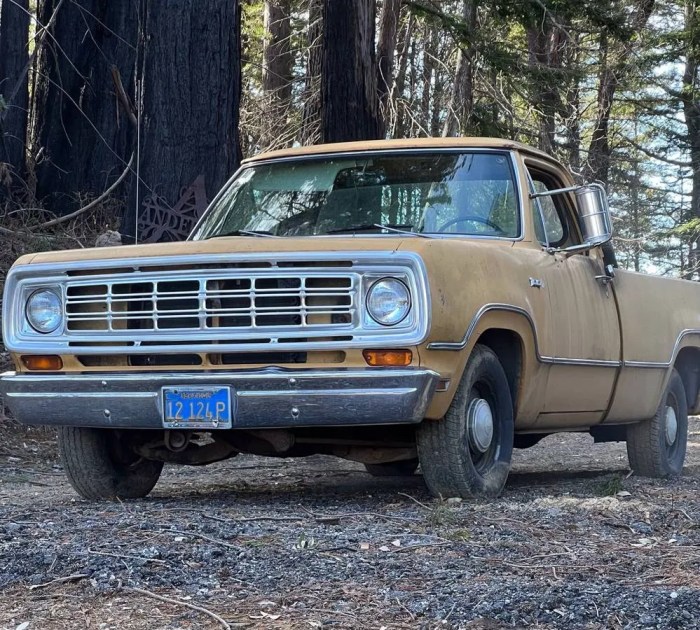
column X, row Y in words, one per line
column 31, row 323
column 403, row 286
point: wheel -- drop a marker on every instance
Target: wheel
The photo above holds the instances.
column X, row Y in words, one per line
column 405, row 468
column 100, row 464
column 468, row 452
column 656, row 447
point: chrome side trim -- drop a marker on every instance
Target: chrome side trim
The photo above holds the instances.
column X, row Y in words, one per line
column 460, row 345
column 664, row 365
column 265, row 398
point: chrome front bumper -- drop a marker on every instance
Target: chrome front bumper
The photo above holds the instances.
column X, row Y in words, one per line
column 266, row 398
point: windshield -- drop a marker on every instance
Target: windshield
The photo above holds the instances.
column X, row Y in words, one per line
column 432, row 193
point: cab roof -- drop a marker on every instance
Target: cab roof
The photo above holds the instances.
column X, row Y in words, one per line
column 407, row 143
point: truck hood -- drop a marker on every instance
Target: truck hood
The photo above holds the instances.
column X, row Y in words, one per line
column 257, row 245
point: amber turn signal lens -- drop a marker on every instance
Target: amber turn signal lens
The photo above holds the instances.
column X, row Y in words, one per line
column 49, row 363
column 388, row 357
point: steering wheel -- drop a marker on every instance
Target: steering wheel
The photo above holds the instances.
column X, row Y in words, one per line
column 473, row 218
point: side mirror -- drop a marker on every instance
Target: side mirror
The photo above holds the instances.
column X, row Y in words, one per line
column 594, row 214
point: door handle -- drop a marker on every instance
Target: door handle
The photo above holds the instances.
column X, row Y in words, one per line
column 608, row 277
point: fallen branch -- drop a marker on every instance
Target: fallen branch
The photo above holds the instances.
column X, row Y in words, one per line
column 178, row 602
column 93, row 203
column 126, row 556
column 60, row 580
column 203, row 536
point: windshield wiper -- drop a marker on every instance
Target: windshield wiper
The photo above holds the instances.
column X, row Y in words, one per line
column 259, row 233
column 399, row 228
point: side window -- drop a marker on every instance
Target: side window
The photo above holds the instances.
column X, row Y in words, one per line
column 552, row 232
column 553, row 222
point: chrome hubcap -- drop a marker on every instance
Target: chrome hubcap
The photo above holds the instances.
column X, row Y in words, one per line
column 671, row 425
column 480, row 425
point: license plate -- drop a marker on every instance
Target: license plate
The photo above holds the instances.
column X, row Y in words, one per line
column 197, row 407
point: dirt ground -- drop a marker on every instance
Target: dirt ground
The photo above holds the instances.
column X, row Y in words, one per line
column 574, row 542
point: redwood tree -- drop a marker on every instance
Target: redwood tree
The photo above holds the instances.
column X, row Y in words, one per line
column 14, row 95
column 349, row 97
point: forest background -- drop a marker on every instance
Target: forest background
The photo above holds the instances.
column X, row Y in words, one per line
column 130, row 115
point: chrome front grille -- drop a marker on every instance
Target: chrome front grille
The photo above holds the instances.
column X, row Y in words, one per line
column 225, row 302
column 217, row 303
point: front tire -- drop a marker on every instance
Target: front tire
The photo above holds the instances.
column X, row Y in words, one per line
column 468, row 452
column 100, row 465
column 656, row 447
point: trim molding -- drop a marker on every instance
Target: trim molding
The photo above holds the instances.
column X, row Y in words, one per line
column 510, row 308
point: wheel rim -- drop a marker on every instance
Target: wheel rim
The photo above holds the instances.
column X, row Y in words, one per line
column 671, row 426
column 480, row 425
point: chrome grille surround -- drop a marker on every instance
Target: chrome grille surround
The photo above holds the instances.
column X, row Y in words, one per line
column 220, row 303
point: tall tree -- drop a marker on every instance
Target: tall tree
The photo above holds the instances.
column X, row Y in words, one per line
column 690, row 100
column 277, row 69
column 189, row 78
column 349, row 97
column 461, row 103
column 615, row 67
column 123, row 79
column 84, row 124
column 14, row 93
column 386, row 48
column 311, row 104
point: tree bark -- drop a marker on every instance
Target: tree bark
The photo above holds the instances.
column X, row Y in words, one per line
column 311, row 117
column 350, row 103
column 614, row 68
column 190, row 77
column 277, row 71
column 386, row 48
column 690, row 99
column 547, row 44
column 461, row 102
column 83, row 135
column 14, row 93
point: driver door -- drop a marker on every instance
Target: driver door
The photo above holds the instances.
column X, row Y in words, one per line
column 583, row 341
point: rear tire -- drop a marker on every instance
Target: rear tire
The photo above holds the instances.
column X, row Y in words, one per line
column 404, row 468
column 100, row 465
column 656, row 447
column 468, row 452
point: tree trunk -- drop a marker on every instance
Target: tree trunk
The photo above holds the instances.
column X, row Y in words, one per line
column 83, row 134
column 397, row 93
column 429, row 46
column 386, row 47
column 461, row 102
column 690, row 98
column 350, row 103
column 277, row 71
column 14, row 93
column 614, row 68
column 546, row 47
column 189, row 75
column 311, row 117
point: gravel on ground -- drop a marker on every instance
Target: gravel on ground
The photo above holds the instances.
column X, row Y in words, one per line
column 575, row 541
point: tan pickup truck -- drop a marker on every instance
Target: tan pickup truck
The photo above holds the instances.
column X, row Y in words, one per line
column 432, row 302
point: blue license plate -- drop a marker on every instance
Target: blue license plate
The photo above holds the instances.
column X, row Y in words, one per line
column 197, row 407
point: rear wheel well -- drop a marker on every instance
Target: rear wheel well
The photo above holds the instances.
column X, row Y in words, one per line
column 508, row 347
column 688, row 366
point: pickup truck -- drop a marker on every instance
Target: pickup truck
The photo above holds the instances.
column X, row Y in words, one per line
column 431, row 302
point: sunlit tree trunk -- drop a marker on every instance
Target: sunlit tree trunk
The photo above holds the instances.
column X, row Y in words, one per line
column 277, row 72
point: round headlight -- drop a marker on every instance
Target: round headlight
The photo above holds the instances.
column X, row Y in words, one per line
column 44, row 311
column 388, row 301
